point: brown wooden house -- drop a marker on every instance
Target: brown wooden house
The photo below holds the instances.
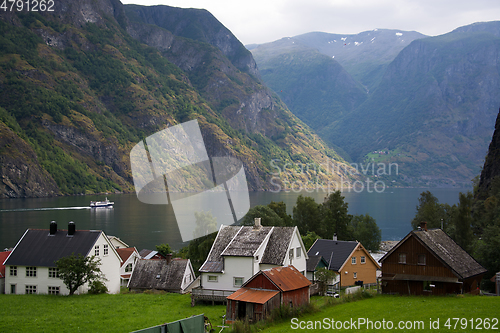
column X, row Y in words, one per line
column 267, row 290
column 429, row 262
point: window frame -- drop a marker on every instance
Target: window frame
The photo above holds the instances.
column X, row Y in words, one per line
column 13, row 269
column 53, row 272
column 421, row 255
column 129, row 268
column 30, row 289
column 353, row 260
column 362, row 260
column 96, row 250
column 105, row 250
column 31, row 271
column 234, row 281
column 298, row 252
column 13, row 288
column 53, row 290
column 212, row 280
column 355, row 275
column 400, row 256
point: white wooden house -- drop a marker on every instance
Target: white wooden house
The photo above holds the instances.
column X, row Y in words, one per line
column 129, row 257
column 31, row 268
column 239, row 252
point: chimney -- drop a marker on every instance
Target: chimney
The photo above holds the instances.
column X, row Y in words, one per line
column 71, row 228
column 335, row 236
column 53, row 228
column 423, row 225
column 257, row 224
column 169, row 258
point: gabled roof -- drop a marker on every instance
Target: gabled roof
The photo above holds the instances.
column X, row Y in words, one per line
column 250, row 295
column 151, row 254
column 313, row 262
column 125, row 253
column 285, row 278
column 117, row 240
column 335, row 252
column 3, row 256
column 157, row 274
column 277, row 246
column 244, row 241
column 446, row 250
column 38, row 248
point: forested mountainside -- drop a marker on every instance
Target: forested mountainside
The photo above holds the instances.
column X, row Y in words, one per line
column 429, row 109
column 83, row 84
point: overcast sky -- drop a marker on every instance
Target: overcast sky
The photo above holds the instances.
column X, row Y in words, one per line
column 261, row 21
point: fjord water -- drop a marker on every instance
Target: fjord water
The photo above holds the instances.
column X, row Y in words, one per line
column 144, row 226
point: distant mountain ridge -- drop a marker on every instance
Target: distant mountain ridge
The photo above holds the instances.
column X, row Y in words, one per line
column 430, row 109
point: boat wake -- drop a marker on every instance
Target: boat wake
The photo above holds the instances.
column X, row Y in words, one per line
column 38, row 209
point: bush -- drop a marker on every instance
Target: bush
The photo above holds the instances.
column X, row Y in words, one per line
column 97, row 287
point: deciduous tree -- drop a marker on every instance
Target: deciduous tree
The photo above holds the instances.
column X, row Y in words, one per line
column 77, row 270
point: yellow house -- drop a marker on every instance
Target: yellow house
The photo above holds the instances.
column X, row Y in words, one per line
column 349, row 259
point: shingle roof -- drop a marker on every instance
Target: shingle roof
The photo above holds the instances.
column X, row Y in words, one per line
column 157, row 274
column 335, row 252
column 245, row 241
column 277, row 246
column 38, row 248
column 445, row 248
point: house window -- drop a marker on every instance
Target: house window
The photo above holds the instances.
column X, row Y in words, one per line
column 402, row 258
column 353, row 260
column 421, row 259
column 13, row 270
column 105, row 249
column 128, row 268
column 427, row 285
column 53, row 272
column 212, row 278
column 355, row 275
column 290, row 254
column 30, row 271
column 298, row 252
column 256, row 258
column 30, row 289
column 96, row 250
column 363, row 259
column 237, row 281
column 12, row 288
column 53, row 290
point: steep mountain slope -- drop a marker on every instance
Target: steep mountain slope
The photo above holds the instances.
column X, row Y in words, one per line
column 433, row 108
column 79, row 92
column 313, row 85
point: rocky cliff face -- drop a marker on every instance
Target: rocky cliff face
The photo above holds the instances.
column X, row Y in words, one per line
column 491, row 167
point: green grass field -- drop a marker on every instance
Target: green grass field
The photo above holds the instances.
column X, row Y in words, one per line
column 129, row 312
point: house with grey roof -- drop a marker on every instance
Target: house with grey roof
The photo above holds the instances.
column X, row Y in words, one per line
column 429, row 262
column 239, row 252
column 349, row 259
column 169, row 275
column 31, row 266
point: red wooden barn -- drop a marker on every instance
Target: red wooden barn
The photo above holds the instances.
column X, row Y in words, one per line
column 267, row 290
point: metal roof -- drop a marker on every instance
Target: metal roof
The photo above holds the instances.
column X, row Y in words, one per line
column 249, row 295
column 38, row 248
column 286, row 278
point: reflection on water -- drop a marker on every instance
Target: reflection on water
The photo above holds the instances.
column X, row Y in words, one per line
column 145, row 226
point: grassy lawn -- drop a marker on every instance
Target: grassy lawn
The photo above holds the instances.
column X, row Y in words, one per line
column 98, row 313
column 405, row 309
column 128, row 312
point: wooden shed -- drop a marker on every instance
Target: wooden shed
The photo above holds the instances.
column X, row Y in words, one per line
column 429, row 262
column 267, row 290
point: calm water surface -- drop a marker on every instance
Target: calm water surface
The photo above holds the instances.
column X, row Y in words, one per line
column 145, row 226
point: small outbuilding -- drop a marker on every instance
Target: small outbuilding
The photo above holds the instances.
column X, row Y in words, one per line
column 267, row 290
column 169, row 275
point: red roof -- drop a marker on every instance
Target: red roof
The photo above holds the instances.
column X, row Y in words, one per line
column 259, row 296
column 125, row 253
column 286, row 278
column 3, row 256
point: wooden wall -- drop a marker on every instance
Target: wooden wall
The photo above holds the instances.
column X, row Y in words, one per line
column 366, row 272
